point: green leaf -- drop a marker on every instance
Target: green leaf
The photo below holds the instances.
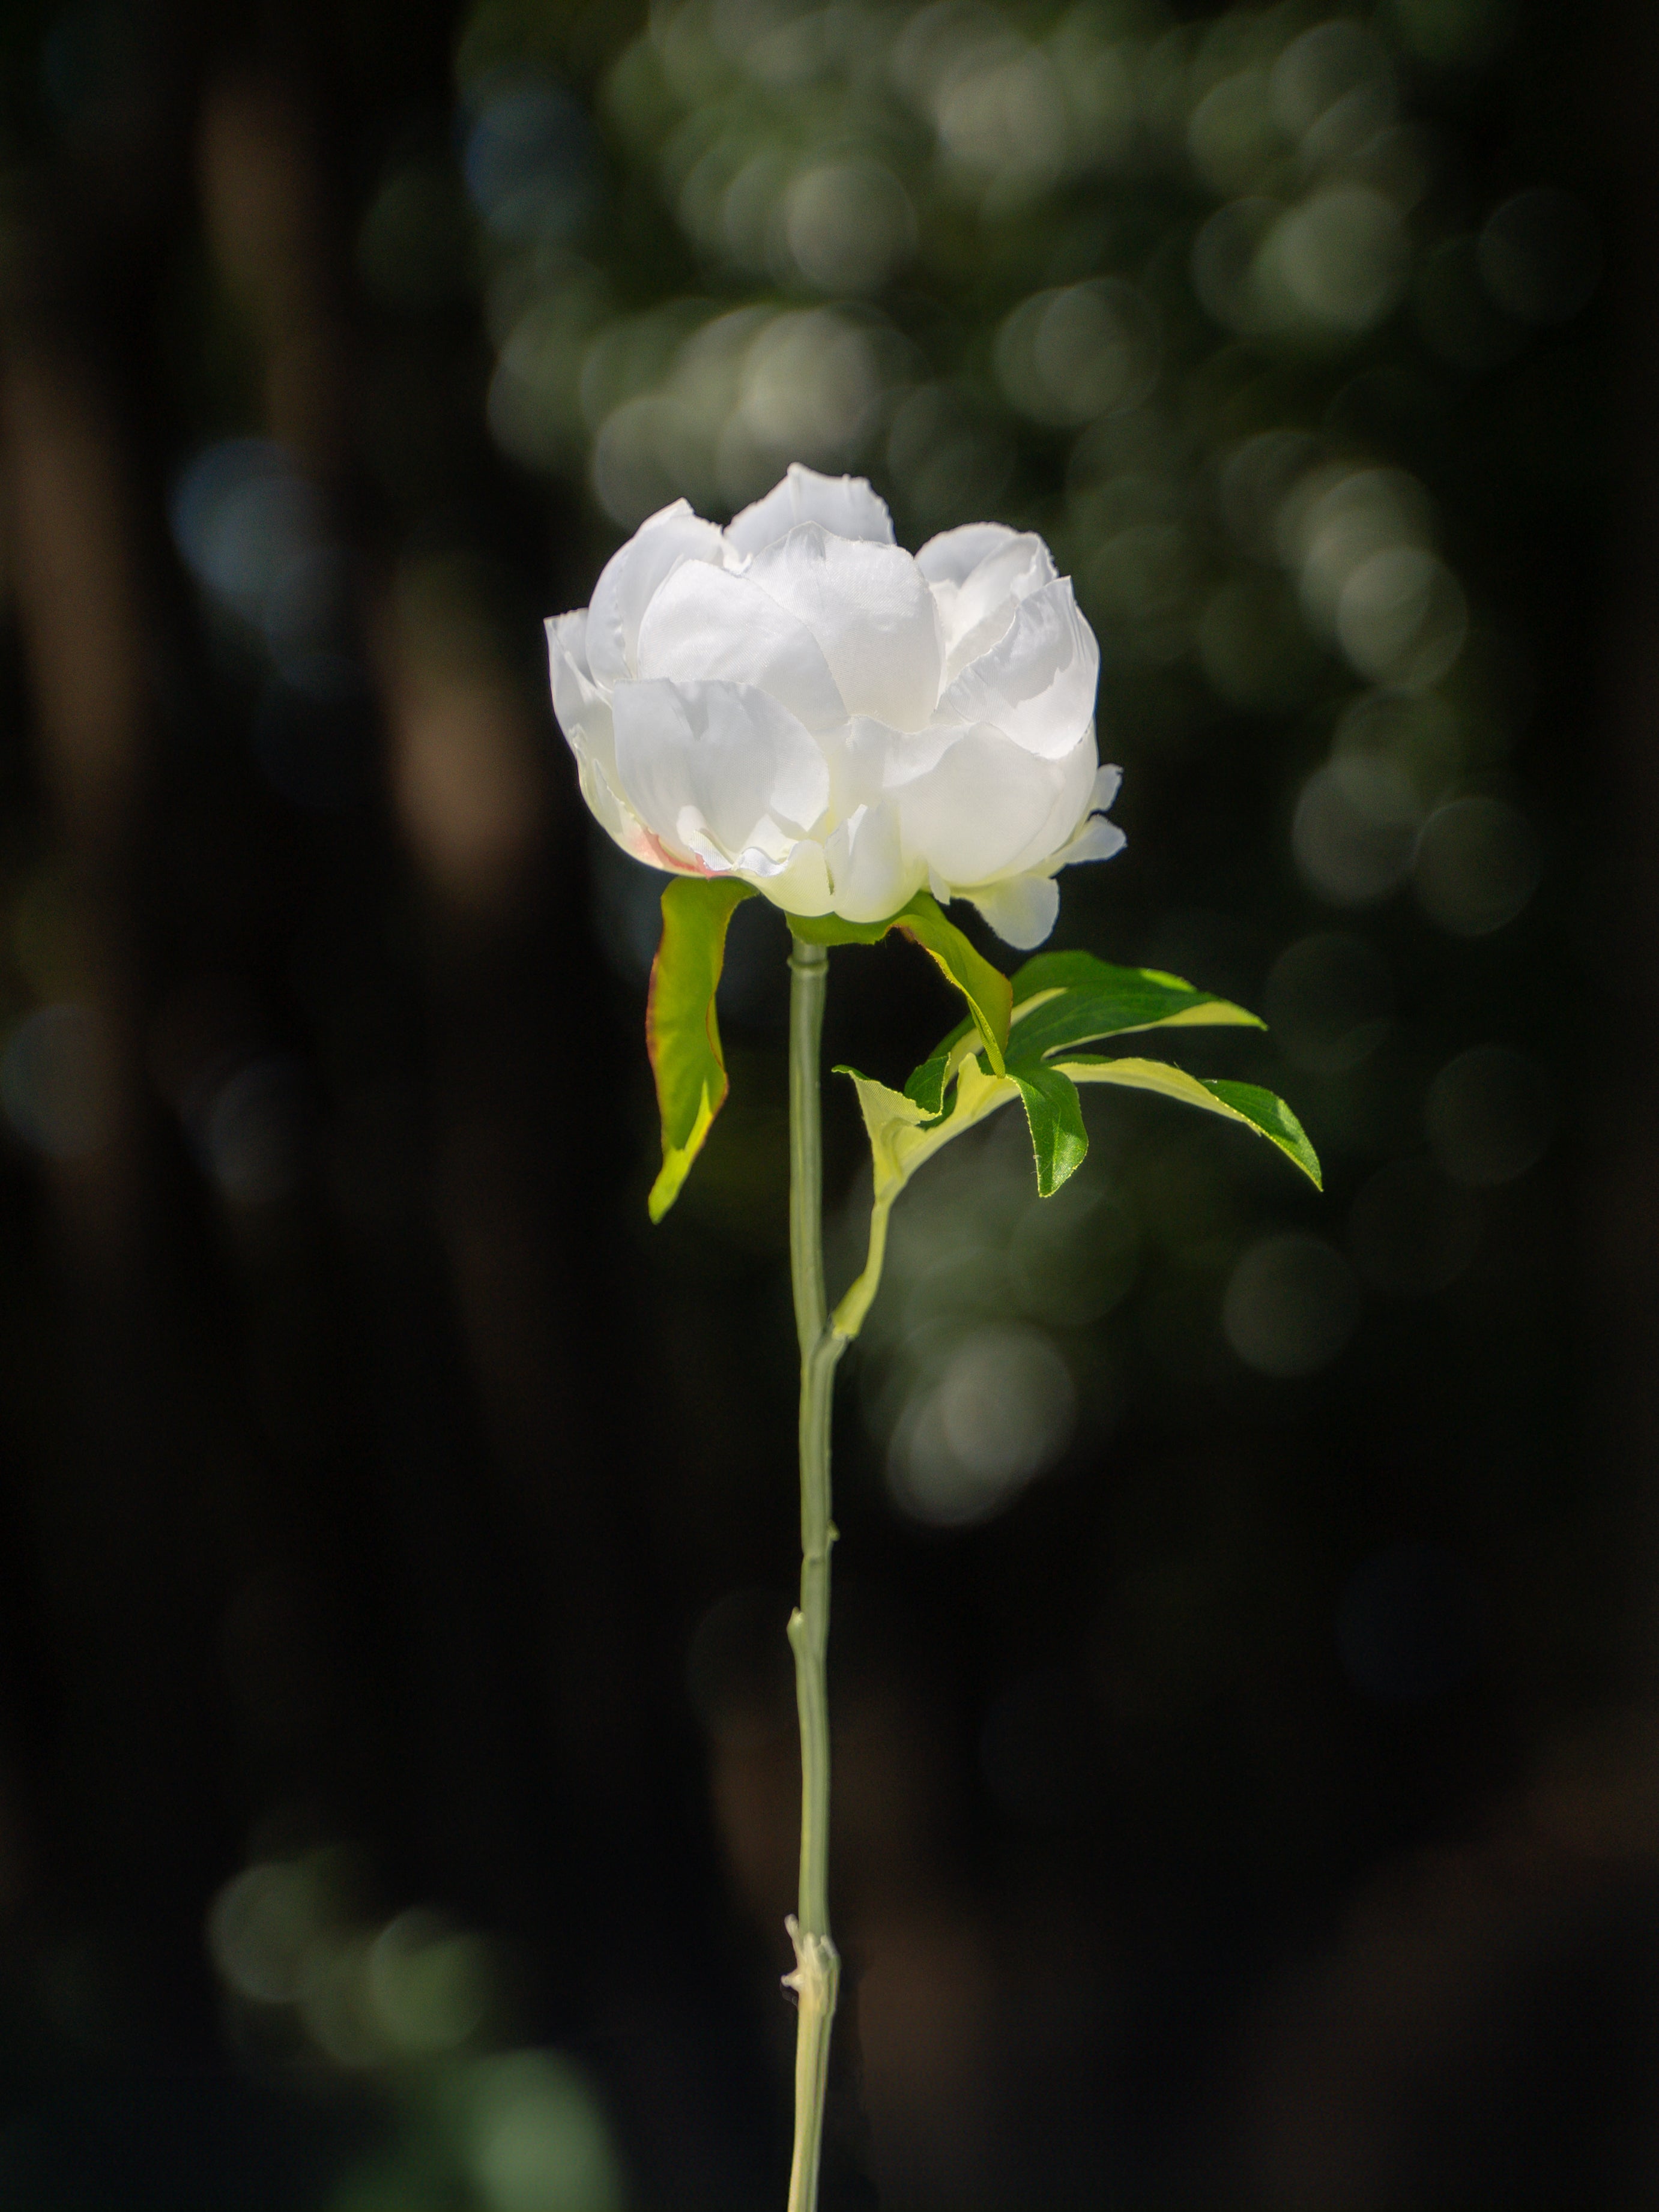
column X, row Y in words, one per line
column 682, row 1034
column 902, row 1138
column 1062, row 999
column 1066, row 999
column 1054, row 1113
column 904, row 1135
column 1269, row 1114
column 1240, row 1101
column 990, row 995
column 986, row 989
column 891, row 1122
column 925, row 1085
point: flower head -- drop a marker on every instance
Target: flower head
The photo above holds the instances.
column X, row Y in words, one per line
column 796, row 700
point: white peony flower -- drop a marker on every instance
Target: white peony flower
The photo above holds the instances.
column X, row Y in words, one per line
column 796, row 700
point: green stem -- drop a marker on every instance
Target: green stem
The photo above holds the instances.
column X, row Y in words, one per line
column 817, row 1966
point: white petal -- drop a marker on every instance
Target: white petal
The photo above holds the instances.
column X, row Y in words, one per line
column 1022, row 910
column 953, row 555
column 606, row 808
column 980, row 610
column 622, row 824
column 1037, row 684
column 1094, row 838
column 870, row 760
column 979, row 575
column 768, row 853
column 631, row 577
column 802, row 886
column 1097, row 839
column 583, row 711
column 846, row 505
column 1108, row 783
column 705, row 626
column 860, row 756
column 726, row 752
column 867, row 866
column 976, row 815
column 569, row 633
column 870, row 609
column 911, row 753
column 1069, row 815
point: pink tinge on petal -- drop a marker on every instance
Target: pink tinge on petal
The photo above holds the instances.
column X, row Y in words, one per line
column 647, row 846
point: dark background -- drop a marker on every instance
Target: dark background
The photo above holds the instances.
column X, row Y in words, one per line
column 1245, row 1641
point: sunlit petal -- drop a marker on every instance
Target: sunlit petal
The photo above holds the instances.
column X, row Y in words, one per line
column 1037, row 684
column 704, row 626
column 870, row 610
column 978, row 814
column 1022, row 910
column 726, row 752
column 631, row 578
column 846, row 505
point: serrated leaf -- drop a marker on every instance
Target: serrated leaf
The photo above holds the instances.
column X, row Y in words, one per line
column 1260, row 1110
column 1053, row 1113
column 986, row 989
column 681, row 1033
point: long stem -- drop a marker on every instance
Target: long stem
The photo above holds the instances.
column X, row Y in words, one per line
column 817, row 1966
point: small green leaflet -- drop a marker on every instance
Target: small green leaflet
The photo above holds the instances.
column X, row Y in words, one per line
column 1054, row 1114
column 682, row 1034
column 903, row 1137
